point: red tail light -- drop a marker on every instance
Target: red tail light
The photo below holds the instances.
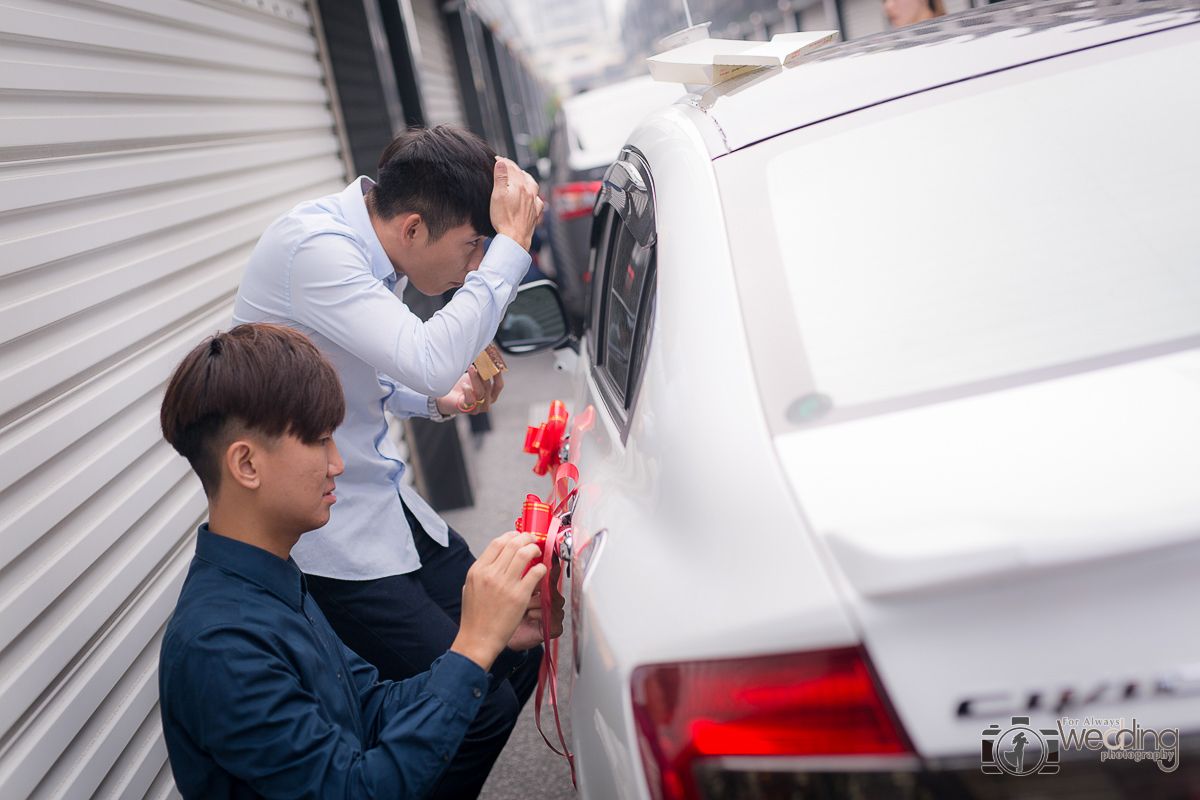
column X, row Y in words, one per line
column 803, row 704
column 574, row 200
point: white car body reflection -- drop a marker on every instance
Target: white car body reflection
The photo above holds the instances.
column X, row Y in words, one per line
column 895, row 363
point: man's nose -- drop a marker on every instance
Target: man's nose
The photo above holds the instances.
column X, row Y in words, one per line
column 336, row 465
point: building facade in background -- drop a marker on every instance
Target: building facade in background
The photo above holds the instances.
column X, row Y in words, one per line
column 572, row 44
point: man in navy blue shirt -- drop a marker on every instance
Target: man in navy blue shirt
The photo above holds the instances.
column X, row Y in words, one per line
column 259, row 698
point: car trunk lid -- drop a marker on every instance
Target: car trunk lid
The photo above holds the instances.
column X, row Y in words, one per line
column 1025, row 552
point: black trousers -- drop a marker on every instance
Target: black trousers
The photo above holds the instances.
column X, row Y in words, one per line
column 402, row 623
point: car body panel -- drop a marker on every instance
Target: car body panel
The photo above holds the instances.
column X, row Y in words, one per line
column 663, row 509
column 914, row 218
column 839, row 79
column 1055, row 518
column 955, row 535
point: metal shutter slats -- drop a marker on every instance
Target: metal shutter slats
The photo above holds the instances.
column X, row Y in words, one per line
column 57, row 431
column 75, row 229
column 83, row 178
column 439, row 82
column 66, row 709
column 43, row 20
column 144, row 147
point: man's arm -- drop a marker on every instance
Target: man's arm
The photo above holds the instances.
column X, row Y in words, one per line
column 470, row 395
column 496, row 596
column 237, row 695
column 403, row 402
column 249, row 710
column 333, row 292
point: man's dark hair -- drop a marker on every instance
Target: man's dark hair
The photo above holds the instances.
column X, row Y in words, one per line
column 263, row 379
column 443, row 173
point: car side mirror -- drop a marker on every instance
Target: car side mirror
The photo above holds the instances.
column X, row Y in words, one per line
column 535, row 321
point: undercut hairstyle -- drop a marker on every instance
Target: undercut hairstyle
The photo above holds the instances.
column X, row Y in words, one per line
column 259, row 379
column 443, row 173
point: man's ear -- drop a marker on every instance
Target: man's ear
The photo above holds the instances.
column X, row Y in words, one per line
column 412, row 228
column 241, row 463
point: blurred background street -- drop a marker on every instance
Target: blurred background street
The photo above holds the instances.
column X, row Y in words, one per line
column 501, row 474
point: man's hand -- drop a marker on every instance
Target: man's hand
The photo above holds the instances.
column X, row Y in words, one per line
column 529, row 631
column 496, row 597
column 515, row 203
column 471, row 395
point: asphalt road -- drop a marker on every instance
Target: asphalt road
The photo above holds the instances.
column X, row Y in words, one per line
column 501, row 475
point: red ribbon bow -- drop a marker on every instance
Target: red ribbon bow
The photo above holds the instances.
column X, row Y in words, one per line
column 546, row 440
column 535, row 519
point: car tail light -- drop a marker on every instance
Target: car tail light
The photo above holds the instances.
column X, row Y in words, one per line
column 574, row 200
column 820, row 703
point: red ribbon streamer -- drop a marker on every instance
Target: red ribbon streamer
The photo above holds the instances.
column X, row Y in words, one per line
column 544, row 520
column 536, row 518
column 548, row 671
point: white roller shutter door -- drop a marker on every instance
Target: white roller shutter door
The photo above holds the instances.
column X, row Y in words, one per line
column 435, row 63
column 144, row 146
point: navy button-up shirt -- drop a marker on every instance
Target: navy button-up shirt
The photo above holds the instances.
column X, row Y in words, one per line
column 261, row 699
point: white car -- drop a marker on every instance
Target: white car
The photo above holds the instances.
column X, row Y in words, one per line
column 893, row 483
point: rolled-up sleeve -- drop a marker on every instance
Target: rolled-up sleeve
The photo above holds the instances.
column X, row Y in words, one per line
column 332, row 290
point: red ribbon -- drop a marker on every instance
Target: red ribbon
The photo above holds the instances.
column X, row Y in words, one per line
column 544, row 520
column 546, row 440
column 548, row 671
column 538, row 518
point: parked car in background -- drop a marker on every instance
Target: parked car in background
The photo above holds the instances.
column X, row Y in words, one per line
column 893, row 362
column 588, row 133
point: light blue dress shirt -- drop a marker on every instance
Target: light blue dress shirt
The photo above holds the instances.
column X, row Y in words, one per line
column 321, row 270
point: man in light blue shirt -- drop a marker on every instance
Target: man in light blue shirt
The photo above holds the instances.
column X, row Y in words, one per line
column 386, row 570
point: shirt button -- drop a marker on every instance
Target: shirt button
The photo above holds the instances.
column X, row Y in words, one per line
column 477, row 693
column 445, row 756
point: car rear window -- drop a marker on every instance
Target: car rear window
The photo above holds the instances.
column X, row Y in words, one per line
column 983, row 234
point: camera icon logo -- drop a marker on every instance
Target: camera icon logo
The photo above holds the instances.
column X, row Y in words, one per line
column 1019, row 750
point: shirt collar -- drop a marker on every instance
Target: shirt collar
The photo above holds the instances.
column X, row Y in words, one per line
column 279, row 577
column 354, row 210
